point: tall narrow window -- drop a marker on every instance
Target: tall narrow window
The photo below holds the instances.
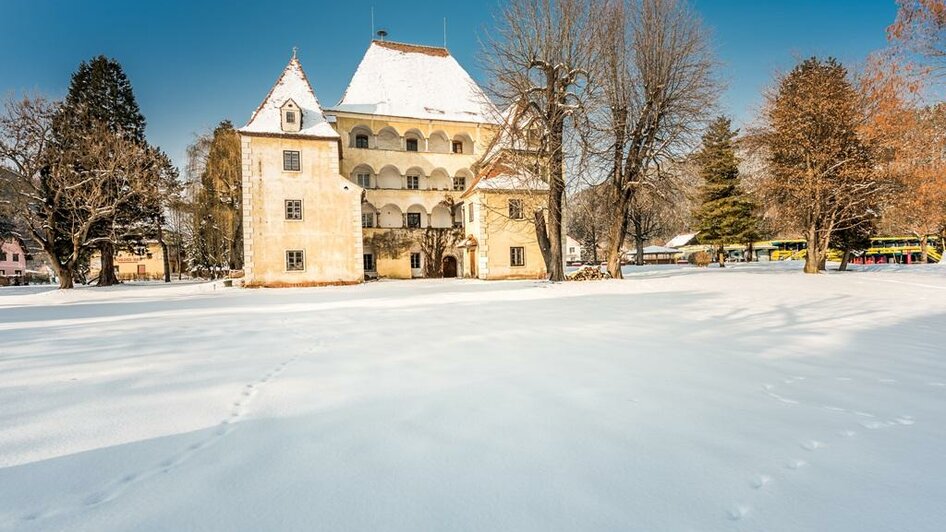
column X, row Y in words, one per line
column 470, row 212
column 517, row 256
column 413, row 220
column 415, row 261
column 367, row 219
column 295, row 260
column 459, row 183
column 361, row 141
column 515, row 209
column 3, row 255
column 364, row 180
column 368, row 259
column 291, row 161
column 411, row 144
column 457, row 146
column 290, row 117
column 413, row 182
column 293, row 209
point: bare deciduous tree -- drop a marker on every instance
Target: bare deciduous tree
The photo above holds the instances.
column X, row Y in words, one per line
column 655, row 84
column 62, row 194
column 538, row 56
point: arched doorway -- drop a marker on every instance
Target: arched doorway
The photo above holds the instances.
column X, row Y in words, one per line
column 449, row 266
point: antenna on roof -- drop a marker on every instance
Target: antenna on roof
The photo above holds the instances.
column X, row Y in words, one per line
column 372, row 22
column 382, row 34
column 294, row 50
column 444, row 32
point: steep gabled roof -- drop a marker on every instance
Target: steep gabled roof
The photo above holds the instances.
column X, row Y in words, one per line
column 414, row 81
column 292, row 84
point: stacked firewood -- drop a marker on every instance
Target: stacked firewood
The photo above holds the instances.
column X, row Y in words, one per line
column 588, row 273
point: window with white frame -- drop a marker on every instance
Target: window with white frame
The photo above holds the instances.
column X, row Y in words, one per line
column 291, row 161
column 367, row 219
column 368, row 259
column 295, row 260
column 415, row 261
column 413, row 220
column 413, row 182
column 293, row 209
column 290, row 117
column 515, row 209
column 459, row 183
column 364, row 180
column 517, row 256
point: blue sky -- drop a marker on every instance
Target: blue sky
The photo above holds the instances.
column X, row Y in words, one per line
column 193, row 64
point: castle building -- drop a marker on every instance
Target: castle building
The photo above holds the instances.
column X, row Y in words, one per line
column 398, row 180
column 301, row 218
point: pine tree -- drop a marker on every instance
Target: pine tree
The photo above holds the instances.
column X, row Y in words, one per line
column 101, row 94
column 726, row 214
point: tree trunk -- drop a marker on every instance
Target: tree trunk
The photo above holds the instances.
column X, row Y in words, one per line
column 638, row 243
column 845, row 258
column 812, row 260
column 107, row 275
column 179, row 256
column 616, row 235
column 542, row 237
column 942, row 247
column 924, row 249
column 721, row 256
column 65, row 273
column 556, row 203
column 164, row 253
column 750, row 251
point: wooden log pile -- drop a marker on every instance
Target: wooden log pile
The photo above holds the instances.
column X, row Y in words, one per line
column 588, row 273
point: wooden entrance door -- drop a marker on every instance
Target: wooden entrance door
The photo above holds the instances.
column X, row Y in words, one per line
column 449, row 266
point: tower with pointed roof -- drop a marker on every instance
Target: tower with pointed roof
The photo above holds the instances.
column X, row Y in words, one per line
column 301, row 218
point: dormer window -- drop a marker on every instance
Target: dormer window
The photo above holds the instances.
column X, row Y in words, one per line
column 291, row 117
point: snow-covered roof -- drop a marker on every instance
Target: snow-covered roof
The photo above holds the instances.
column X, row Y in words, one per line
column 292, row 84
column 505, row 182
column 413, row 81
column 655, row 250
column 681, row 240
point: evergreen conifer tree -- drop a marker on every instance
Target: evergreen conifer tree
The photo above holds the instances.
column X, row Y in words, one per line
column 725, row 214
column 101, row 94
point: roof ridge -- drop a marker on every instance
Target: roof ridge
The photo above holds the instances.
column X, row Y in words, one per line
column 406, row 47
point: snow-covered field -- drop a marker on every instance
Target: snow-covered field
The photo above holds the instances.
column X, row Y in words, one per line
column 750, row 398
